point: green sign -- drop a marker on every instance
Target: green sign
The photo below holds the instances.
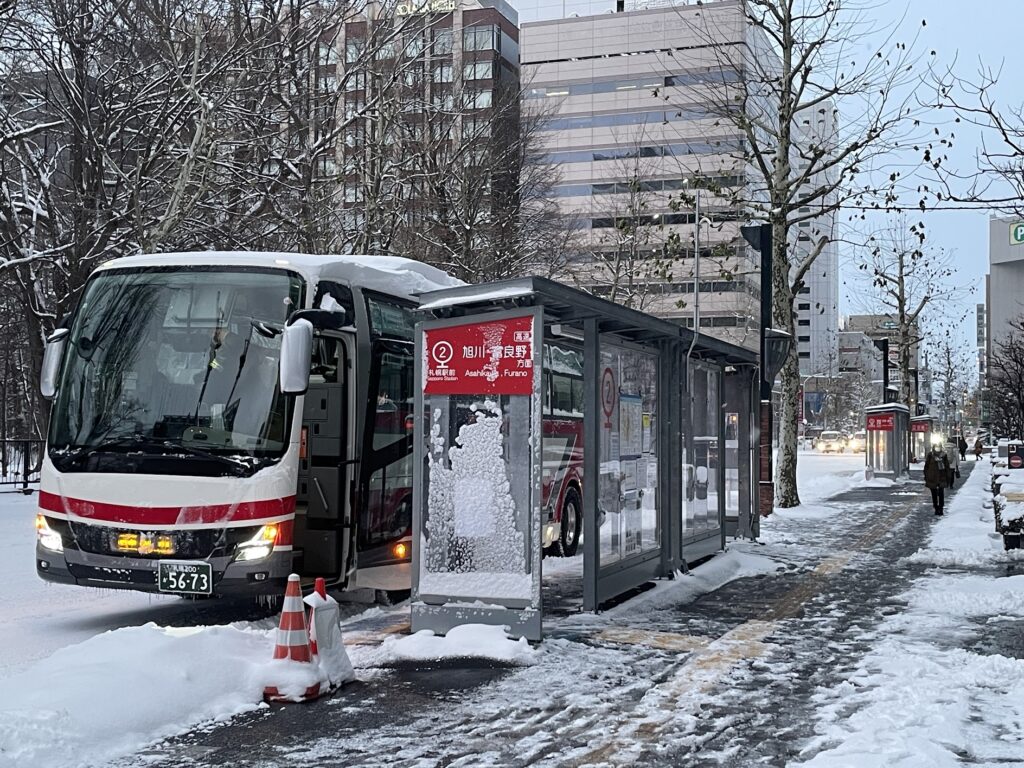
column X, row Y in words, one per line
column 1017, row 233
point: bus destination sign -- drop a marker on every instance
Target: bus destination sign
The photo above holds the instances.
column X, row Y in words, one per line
column 487, row 358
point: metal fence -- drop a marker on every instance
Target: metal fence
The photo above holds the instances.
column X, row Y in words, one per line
column 20, row 462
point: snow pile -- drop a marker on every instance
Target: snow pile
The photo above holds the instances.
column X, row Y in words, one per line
column 916, row 700
column 121, row 690
column 465, row 641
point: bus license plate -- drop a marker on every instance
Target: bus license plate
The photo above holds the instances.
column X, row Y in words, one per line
column 185, row 578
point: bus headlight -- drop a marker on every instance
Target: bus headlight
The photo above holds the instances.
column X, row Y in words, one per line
column 48, row 538
column 259, row 546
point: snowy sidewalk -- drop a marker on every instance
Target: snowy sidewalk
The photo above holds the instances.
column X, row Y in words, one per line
column 746, row 661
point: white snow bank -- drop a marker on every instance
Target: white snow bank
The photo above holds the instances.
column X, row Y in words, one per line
column 119, row 691
column 915, row 706
column 468, row 640
column 917, row 700
column 742, row 560
column 965, row 536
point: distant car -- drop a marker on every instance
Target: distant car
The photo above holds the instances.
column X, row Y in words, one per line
column 859, row 442
column 831, row 442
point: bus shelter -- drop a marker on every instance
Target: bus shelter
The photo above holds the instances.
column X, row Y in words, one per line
column 887, row 427
column 551, row 419
column 922, row 428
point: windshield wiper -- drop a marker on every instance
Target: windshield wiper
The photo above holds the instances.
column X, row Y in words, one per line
column 105, row 446
column 239, row 466
column 142, row 442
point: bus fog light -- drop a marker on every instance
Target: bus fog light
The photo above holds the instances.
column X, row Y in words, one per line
column 48, row 538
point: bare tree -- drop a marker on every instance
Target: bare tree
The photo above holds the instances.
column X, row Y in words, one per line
column 815, row 120
column 1006, row 371
column 907, row 277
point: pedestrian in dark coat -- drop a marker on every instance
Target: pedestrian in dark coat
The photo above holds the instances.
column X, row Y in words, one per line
column 979, row 448
column 962, row 444
column 936, row 475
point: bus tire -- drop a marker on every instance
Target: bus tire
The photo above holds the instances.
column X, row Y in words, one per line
column 572, row 524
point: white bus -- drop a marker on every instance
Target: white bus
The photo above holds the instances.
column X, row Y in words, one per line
column 220, row 420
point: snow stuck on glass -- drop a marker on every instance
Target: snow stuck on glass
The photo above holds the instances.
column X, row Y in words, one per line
column 473, row 544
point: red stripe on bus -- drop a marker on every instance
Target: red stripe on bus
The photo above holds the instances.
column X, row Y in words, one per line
column 190, row 515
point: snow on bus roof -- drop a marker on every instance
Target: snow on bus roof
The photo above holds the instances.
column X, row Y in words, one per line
column 389, row 274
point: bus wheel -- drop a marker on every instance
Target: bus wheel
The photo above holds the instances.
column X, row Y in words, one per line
column 572, row 524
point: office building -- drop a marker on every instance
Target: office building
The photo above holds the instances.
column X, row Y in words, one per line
column 633, row 133
column 817, row 302
column 1005, row 283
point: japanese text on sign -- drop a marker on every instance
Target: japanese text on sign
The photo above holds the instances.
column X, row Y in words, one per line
column 881, row 422
column 488, row 358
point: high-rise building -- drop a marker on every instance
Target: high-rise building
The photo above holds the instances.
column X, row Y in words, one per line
column 646, row 158
column 817, row 302
column 430, row 114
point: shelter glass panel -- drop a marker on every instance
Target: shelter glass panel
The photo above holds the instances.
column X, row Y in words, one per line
column 629, row 454
column 481, row 407
column 701, row 454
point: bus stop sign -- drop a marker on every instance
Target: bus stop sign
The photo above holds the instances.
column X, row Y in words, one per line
column 482, row 358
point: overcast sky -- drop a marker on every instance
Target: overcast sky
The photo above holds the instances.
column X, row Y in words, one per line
column 971, row 34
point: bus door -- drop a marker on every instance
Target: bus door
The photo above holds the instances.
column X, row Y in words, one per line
column 386, row 468
column 324, row 525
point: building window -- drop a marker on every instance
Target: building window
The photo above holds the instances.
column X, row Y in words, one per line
column 478, row 70
column 805, row 355
column 803, row 306
column 356, row 81
column 328, row 54
column 442, row 42
column 354, row 49
column 804, row 339
column 805, row 289
column 476, row 99
column 442, row 73
column 803, row 323
column 478, row 39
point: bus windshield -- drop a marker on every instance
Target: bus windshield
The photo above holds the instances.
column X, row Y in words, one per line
column 176, row 360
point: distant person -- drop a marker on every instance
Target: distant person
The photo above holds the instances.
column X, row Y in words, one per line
column 936, row 475
column 979, row 448
column 962, row 445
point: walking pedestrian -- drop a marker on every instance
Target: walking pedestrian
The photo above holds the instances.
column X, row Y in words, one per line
column 936, row 474
column 962, row 444
column 979, row 448
column 952, row 461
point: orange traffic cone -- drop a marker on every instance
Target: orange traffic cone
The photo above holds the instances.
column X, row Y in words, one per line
column 292, row 640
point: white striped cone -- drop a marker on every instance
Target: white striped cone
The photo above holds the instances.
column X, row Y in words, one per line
column 292, row 638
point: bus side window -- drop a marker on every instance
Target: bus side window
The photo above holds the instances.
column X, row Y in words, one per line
column 561, row 394
column 577, row 397
column 547, row 392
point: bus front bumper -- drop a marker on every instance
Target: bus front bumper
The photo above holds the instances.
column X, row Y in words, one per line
column 230, row 579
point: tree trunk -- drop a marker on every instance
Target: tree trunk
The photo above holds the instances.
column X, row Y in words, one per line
column 786, row 494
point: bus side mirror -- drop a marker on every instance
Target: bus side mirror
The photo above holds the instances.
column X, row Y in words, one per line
column 296, row 352
column 52, row 356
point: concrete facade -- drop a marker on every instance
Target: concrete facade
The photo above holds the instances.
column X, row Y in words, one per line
column 1005, row 285
column 632, row 134
column 817, row 304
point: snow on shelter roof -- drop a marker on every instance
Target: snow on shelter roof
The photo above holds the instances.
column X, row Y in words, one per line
column 887, row 407
column 393, row 275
